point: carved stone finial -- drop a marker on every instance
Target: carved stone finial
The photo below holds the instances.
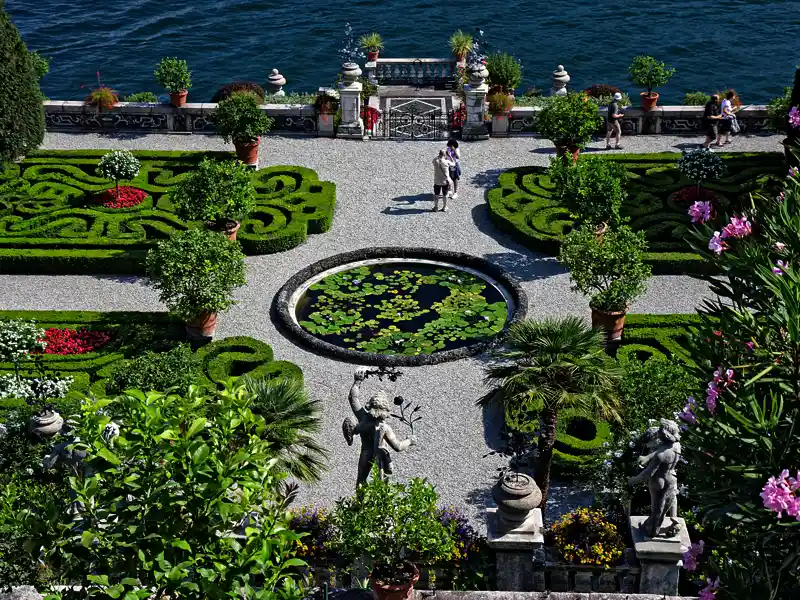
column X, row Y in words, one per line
column 560, row 80
column 275, row 83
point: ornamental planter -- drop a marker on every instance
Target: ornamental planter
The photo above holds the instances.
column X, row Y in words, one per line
column 247, row 152
column 350, row 72
column 178, row 99
column 202, row 326
column 648, row 101
column 402, row 591
column 516, row 495
column 372, row 56
column 574, row 152
column 47, row 423
column 612, row 322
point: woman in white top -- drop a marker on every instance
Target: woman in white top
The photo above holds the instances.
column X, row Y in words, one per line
column 728, row 117
column 454, row 154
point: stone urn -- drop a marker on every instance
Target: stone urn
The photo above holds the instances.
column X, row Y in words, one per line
column 477, row 74
column 275, row 83
column 47, row 423
column 350, row 72
column 516, row 496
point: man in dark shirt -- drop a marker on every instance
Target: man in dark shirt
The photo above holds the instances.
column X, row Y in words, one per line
column 711, row 119
column 614, row 123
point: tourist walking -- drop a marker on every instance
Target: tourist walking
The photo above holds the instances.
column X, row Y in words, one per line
column 729, row 123
column 454, row 154
column 614, row 122
column 711, row 119
column 441, row 180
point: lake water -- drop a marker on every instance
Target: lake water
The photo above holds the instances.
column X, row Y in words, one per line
column 751, row 45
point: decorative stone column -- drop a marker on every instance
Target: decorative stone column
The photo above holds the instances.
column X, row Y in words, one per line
column 275, row 83
column 660, row 558
column 560, row 81
column 352, row 126
column 475, row 92
column 514, row 530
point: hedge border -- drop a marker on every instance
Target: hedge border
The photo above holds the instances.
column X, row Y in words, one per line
column 281, row 312
column 658, row 335
column 46, row 255
column 662, row 263
column 571, row 455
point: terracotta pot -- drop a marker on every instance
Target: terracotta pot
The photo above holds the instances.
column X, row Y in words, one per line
column 384, row 591
column 372, row 56
column 202, row 326
column 573, row 150
column 247, row 152
column 178, row 98
column 227, row 228
column 612, row 322
column 648, row 102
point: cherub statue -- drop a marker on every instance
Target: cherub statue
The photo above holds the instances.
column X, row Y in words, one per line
column 376, row 434
column 659, row 471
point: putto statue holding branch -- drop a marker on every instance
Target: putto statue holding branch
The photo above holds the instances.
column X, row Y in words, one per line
column 660, row 473
column 370, row 423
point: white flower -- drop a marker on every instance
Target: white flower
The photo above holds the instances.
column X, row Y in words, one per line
column 118, row 164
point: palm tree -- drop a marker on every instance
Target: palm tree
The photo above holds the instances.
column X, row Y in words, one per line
column 547, row 366
column 292, row 419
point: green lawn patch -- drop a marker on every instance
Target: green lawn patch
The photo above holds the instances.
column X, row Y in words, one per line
column 521, row 203
column 50, row 224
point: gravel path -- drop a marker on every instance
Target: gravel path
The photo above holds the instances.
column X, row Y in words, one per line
column 382, row 200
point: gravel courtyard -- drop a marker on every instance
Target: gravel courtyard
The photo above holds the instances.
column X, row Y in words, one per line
column 383, row 199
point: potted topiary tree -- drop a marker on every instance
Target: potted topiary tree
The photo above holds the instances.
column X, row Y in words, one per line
column 700, row 165
column 239, row 119
column 505, row 72
column 650, row 73
column 386, row 524
column 610, row 269
column 460, row 44
column 569, row 122
column 195, row 273
column 372, row 43
column 218, row 192
column 174, row 75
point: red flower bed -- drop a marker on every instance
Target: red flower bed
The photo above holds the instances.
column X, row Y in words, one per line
column 689, row 195
column 74, row 341
column 125, row 197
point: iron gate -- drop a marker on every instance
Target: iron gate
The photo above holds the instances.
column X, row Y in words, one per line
column 414, row 120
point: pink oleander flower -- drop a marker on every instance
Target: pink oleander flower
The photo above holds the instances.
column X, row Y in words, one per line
column 794, row 117
column 794, row 172
column 782, row 196
column 709, row 592
column 700, row 212
column 779, row 246
column 690, row 556
column 716, row 244
column 779, row 268
column 778, row 494
column 750, row 345
column 739, row 227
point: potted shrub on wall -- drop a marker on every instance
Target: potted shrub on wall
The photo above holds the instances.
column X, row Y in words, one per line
column 505, row 72
column 218, row 192
column 649, row 73
column 240, row 119
column 372, row 43
column 460, row 44
column 102, row 97
column 195, row 273
column 569, row 122
column 390, row 524
column 610, row 269
column 174, row 75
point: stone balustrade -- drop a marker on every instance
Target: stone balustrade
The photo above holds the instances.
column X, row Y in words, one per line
column 437, row 72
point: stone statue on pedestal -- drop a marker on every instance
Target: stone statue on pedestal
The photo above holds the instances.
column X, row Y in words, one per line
column 660, row 474
column 376, row 434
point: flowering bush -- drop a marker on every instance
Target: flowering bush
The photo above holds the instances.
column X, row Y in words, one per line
column 35, row 389
column 19, row 340
column 585, row 536
column 319, row 532
column 74, row 341
column 501, row 104
column 700, row 211
column 794, row 117
column 122, row 197
column 780, row 494
column 701, row 165
column 118, row 164
column 458, row 117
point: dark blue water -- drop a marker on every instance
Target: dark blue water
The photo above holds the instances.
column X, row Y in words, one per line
column 751, row 45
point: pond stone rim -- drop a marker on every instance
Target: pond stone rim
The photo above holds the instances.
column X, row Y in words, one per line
column 282, row 305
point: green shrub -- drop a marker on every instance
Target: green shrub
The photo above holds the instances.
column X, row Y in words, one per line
column 173, row 370
column 610, row 268
column 593, row 189
column 649, row 73
column 293, row 98
column 371, row 42
column 653, row 389
column 173, row 74
column 569, row 120
column 21, row 112
column 142, row 97
column 460, row 43
column 504, row 71
column 225, row 91
column 195, row 272
column 102, row 98
column 368, row 89
column 580, row 440
column 41, row 64
column 778, row 108
column 217, row 191
column 240, row 119
column 696, row 99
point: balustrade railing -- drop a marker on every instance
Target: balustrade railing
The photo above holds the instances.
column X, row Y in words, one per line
column 436, row 72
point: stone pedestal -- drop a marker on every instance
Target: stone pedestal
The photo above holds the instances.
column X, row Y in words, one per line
column 475, row 101
column 560, row 80
column 660, row 558
column 514, row 549
column 275, row 83
column 369, row 72
column 499, row 125
column 352, row 126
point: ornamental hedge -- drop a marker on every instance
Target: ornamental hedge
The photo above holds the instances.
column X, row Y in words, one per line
column 522, row 203
column 579, row 442
column 50, row 223
column 133, row 333
column 663, row 336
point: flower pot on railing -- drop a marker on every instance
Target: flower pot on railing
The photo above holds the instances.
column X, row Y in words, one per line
column 178, row 99
column 649, row 101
